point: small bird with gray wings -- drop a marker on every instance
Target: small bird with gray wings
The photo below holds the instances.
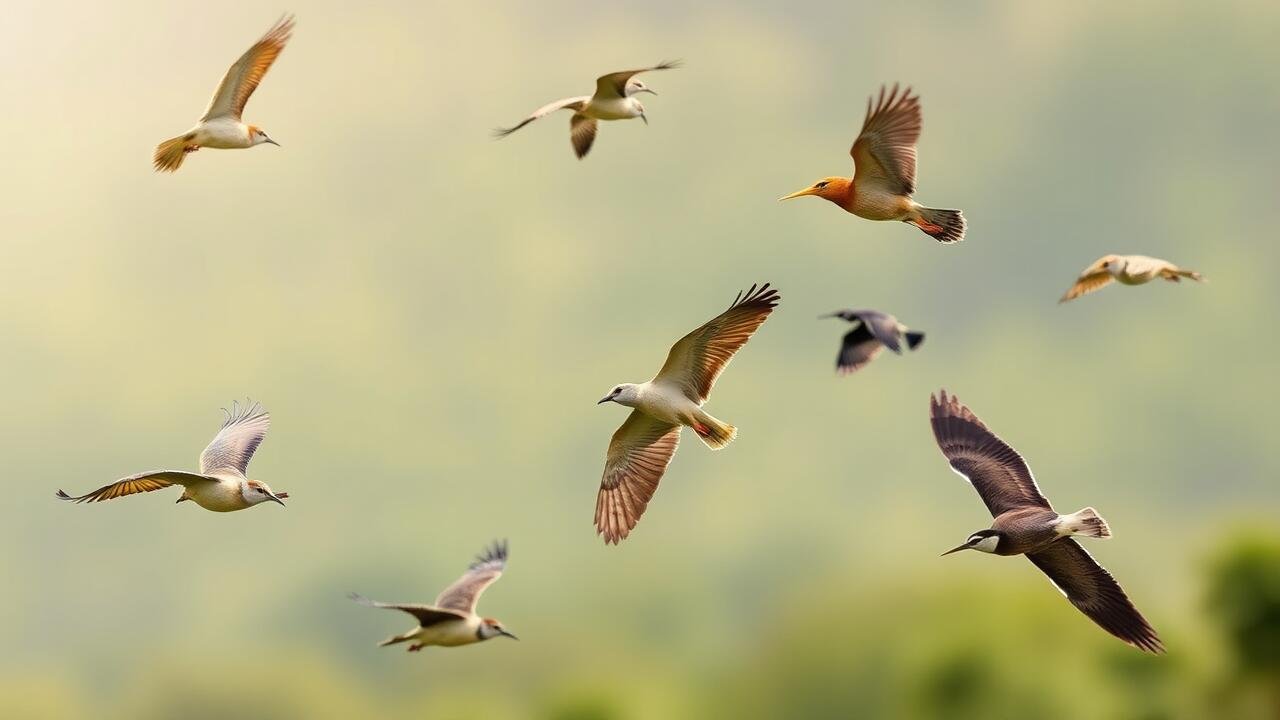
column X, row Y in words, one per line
column 872, row 332
column 614, row 99
column 221, row 484
column 1025, row 523
column 452, row 620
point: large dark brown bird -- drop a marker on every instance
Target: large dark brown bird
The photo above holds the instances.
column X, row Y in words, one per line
column 1025, row 523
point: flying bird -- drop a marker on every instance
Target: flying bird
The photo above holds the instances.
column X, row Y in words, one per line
column 614, row 99
column 452, row 619
column 872, row 332
column 221, row 484
column 1129, row 270
column 220, row 126
column 641, row 449
column 1025, row 523
column 884, row 174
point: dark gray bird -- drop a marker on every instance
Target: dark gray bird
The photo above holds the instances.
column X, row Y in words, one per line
column 872, row 332
column 1025, row 523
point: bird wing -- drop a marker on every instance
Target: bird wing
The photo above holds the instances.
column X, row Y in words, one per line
column 140, row 483
column 995, row 470
column 575, row 103
column 638, row 455
column 884, row 155
column 463, row 594
column 698, row 358
column 884, row 328
column 858, row 348
column 426, row 614
column 1095, row 593
column 242, row 78
column 1091, row 278
column 614, row 85
column 233, row 446
column 582, row 132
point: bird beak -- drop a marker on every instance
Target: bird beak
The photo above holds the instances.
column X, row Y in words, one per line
column 958, row 549
column 799, row 193
column 604, row 400
column 651, row 92
column 504, row 633
column 276, row 498
column 273, row 142
column 184, row 497
column 828, row 315
column 645, row 119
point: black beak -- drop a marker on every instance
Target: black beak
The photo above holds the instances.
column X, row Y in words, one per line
column 958, row 549
column 273, row 142
column 504, row 633
column 276, row 498
column 645, row 119
column 604, row 399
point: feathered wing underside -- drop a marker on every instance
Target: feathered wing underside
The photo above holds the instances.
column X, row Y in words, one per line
column 614, row 85
column 140, row 483
column 243, row 76
column 572, row 103
column 996, row 471
column 638, row 455
column 426, row 615
column 884, row 154
column 582, row 133
column 1095, row 593
column 858, row 348
column 465, row 592
column 698, row 358
column 1094, row 277
column 232, row 448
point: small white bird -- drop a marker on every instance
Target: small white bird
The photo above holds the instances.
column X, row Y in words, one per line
column 1129, row 270
column 641, row 449
column 452, row 620
column 221, row 127
column 614, row 99
column 221, row 484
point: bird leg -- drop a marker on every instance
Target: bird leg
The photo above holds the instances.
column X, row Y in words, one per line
column 416, row 647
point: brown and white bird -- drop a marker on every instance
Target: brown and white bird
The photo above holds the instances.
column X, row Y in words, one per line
column 452, row 619
column 220, row 126
column 221, row 484
column 884, row 171
column 1128, row 270
column 872, row 332
column 641, row 449
column 1026, row 524
column 614, row 99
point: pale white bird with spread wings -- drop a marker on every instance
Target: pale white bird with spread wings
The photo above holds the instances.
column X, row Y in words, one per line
column 641, row 449
column 221, row 484
column 1127, row 270
column 220, row 126
column 452, row 619
column 614, row 99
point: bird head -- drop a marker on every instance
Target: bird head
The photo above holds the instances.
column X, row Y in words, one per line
column 258, row 137
column 255, row 492
column 1113, row 264
column 490, row 628
column 624, row 394
column 835, row 189
column 847, row 315
column 635, row 87
column 983, row 540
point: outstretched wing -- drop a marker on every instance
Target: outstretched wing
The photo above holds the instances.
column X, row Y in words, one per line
column 243, row 77
column 638, row 455
column 698, row 358
column 1091, row 278
column 1095, row 593
column 884, row 155
column 234, row 445
column 858, row 348
column 995, row 470
column 463, row 594
column 140, row 483
column 614, row 85
column 574, row 103
column 582, row 132
column 426, row 614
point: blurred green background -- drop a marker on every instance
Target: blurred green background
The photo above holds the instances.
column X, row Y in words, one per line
column 430, row 316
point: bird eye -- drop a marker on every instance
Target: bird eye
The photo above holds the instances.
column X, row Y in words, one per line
column 821, row 184
column 262, row 491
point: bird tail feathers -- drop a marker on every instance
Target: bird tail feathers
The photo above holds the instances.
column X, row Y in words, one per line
column 1086, row 522
column 914, row 339
column 711, row 431
column 170, row 154
column 945, row 226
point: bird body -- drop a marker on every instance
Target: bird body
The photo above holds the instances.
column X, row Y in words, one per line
column 643, row 446
column 221, row 484
column 614, row 99
column 884, row 177
column 1126, row 270
column 1024, row 523
column 872, row 332
column 221, row 126
column 452, row 620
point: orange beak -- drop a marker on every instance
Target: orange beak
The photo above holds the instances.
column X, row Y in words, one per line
column 800, row 193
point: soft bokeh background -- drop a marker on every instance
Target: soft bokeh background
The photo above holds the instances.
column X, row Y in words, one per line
column 430, row 316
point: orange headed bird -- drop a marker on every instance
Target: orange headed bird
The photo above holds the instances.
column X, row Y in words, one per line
column 884, row 174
